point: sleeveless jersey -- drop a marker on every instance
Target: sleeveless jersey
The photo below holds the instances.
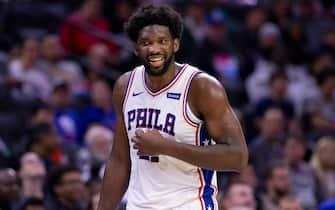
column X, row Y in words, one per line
column 164, row 182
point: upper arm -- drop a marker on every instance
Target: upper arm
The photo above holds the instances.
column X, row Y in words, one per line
column 120, row 149
column 209, row 101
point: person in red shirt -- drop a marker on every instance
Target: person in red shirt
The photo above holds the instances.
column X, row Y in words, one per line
column 85, row 28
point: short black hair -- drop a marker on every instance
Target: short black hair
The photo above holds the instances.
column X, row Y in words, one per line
column 36, row 131
column 154, row 15
column 56, row 175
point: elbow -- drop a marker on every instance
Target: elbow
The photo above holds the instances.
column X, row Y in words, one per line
column 243, row 160
column 237, row 161
column 244, row 156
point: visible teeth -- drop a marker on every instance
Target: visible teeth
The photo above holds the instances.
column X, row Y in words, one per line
column 156, row 59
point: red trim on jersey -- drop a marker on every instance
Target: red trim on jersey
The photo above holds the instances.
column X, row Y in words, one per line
column 169, row 85
column 130, row 84
column 186, row 117
column 201, row 188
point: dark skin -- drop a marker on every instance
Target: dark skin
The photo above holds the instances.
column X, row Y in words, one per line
column 229, row 152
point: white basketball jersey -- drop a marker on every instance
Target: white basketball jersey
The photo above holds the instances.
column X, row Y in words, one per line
column 165, row 182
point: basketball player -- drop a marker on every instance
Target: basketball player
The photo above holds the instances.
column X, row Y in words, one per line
column 174, row 125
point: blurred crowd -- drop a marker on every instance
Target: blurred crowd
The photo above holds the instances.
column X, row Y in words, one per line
column 59, row 60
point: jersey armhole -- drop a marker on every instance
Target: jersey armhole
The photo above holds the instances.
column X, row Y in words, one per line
column 129, row 85
column 188, row 114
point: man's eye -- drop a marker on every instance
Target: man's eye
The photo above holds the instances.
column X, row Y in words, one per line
column 145, row 43
column 163, row 41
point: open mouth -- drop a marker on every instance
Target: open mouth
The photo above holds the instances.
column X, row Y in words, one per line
column 156, row 61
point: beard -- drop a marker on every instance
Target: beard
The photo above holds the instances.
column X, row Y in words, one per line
column 281, row 192
column 156, row 72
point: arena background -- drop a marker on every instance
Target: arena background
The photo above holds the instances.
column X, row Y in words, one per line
column 59, row 60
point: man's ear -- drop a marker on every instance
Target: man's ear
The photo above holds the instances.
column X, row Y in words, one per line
column 176, row 44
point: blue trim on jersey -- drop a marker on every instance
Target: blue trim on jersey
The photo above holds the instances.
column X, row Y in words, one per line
column 186, row 100
column 208, row 191
column 175, row 76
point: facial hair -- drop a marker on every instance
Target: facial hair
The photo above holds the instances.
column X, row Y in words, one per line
column 157, row 73
column 281, row 192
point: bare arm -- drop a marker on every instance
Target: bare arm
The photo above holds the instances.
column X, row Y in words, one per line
column 117, row 173
column 209, row 101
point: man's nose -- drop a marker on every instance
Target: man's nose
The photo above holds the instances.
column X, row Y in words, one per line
column 153, row 48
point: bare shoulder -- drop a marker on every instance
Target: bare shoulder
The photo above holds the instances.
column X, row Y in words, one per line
column 206, row 93
column 120, row 88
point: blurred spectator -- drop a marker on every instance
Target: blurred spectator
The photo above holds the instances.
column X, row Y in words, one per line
column 64, row 189
column 304, row 181
column 323, row 162
column 56, row 67
column 321, row 108
column 216, row 56
column 118, row 13
column 328, row 41
column 101, row 109
column 306, row 13
column 239, row 195
column 300, row 83
column 277, row 97
column 289, row 203
column 269, row 37
column 15, row 110
column 248, row 176
column 44, row 142
column 99, row 142
column 66, row 118
column 278, row 185
column 268, row 145
column 32, row 173
column 85, row 28
column 195, row 29
column 9, row 188
column 28, row 71
column 294, row 38
column 98, row 64
column 247, row 39
column 303, row 87
column 321, row 62
column 281, row 14
column 41, row 113
column 32, row 203
column 194, row 20
column 97, row 59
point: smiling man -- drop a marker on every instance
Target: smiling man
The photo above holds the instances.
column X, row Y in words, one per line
column 174, row 127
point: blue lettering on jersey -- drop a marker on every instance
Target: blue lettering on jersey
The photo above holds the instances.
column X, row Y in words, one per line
column 141, row 120
column 150, row 118
column 169, row 124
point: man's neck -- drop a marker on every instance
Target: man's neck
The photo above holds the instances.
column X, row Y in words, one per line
column 157, row 82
